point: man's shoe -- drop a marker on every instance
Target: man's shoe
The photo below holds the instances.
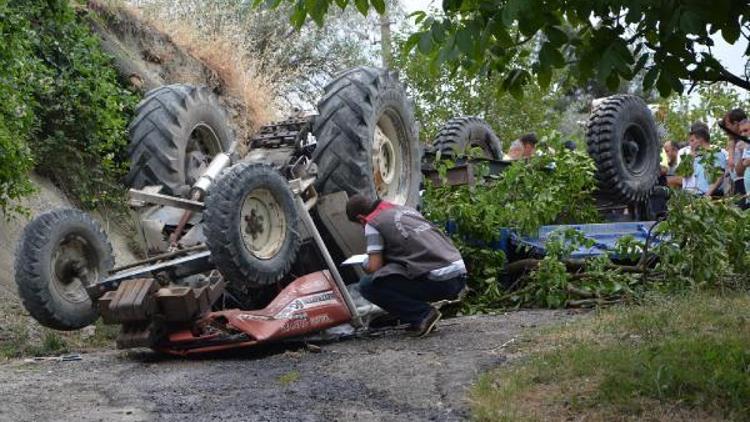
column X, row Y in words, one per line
column 425, row 326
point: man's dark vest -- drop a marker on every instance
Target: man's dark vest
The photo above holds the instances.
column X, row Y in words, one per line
column 412, row 245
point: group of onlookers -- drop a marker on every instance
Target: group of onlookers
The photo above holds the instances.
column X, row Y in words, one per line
column 732, row 161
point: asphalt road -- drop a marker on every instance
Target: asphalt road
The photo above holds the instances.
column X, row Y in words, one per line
column 386, row 378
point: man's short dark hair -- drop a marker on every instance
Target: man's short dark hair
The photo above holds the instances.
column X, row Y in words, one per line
column 529, row 139
column 360, row 205
column 700, row 130
column 737, row 115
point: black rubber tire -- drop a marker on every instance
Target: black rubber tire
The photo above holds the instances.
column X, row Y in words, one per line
column 243, row 271
column 460, row 133
column 35, row 275
column 617, row 124
column 349, row 112
column 159, row 135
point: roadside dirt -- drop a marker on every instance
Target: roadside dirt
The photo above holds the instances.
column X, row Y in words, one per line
column 386, row 378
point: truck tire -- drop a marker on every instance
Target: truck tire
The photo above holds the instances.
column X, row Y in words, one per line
column 250, row 224
column 459, row 134
column 60, row 253
column 367, row 138
column 176, row 132
column 623, row 142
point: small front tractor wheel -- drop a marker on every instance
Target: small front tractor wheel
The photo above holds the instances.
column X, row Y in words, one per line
column 250, row 223
column 60, row 253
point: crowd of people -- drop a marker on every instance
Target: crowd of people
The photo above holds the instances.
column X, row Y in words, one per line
column 731, row 161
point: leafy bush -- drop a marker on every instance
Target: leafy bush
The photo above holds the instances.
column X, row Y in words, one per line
column 554, row 186
column 65, row 106
column 18, row 66
column 704, row 243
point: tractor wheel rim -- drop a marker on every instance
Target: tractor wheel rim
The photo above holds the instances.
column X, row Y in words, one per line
column 634, row 148
column 201, row 148
column 262, row 224
column 74, row 266
column 390, row 152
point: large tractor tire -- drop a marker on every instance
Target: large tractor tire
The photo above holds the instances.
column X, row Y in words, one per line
column 622, row 140
column 59, row 254
column 460, row 134
column 250, row 224
column 367, row 138
column 176, row 132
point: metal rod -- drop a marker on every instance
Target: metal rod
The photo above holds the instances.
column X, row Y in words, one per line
column 307, row 219
column 159, row 257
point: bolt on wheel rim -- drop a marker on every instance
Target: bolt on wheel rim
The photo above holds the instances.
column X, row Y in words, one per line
column 262, row 224
column 390, row 152
column 73, row 267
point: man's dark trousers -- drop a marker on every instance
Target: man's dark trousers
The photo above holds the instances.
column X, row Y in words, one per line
column 408, row 299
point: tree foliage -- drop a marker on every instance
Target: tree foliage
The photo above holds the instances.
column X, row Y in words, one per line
column 609, row 40
column 62, row 105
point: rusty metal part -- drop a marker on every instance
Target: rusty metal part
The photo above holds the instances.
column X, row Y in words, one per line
column 291, row 132
column 141, row 334
column 182, row 266
column 139, row 198
column 310, row 303
column 196, row 195
column 133, row 301
column 339, row 282
column 160, row 257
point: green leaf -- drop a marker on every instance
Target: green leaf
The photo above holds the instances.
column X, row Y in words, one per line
column 342, row 4
column 412, row 41
column 650, row 78
column 425, row 42
column 363, row 6
column 664, row 85
column 452, row 5
column 418, row 16
column 731, row 32
column 512, row 10
column 464, row 41
column 379, row 6
column 550, row 56
column 556, row 36
column 544, row 76
column 298, row 16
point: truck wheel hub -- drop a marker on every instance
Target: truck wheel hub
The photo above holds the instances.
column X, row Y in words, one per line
column 73, row 268
column 262, row 224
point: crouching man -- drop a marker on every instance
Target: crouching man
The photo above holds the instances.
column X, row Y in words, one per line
column 411, row 262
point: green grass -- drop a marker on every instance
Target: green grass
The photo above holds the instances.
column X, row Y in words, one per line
column 686, row 357
column 289, row 378
column 22, row 337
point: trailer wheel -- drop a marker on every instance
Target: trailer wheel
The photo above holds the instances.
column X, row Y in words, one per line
column 250, row 224
column 60, row 253
column 623, row 142
column 176, row 132
column 367, row 138
column 460, row 134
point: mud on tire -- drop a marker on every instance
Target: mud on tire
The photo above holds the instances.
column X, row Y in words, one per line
column 367, row 137
column 623, row 142
column 59, row 254
column 459, row 134
column 250, row 223
column 175, row 133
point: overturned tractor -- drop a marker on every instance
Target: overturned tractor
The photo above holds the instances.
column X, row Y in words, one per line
column 224, row 231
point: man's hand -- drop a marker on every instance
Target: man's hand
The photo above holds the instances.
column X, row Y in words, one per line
column 374, row 262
